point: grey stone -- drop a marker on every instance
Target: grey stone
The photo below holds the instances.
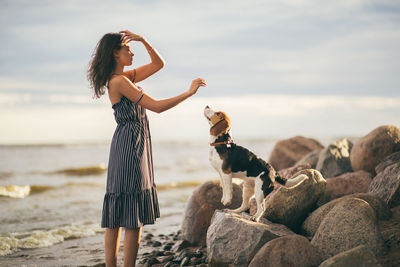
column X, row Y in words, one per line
column 291, row 205
column 334, row 160
column 311, row 158
column 290, row 250
column 371, row 149
column 287, row 152
column 200, row 207
column 311, row 224
column 232, row 239
column 356, row 257
column 351, row 223
column 386, row 184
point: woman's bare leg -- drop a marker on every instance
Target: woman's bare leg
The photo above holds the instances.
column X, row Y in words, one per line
column 111, row 240
column 131, row 245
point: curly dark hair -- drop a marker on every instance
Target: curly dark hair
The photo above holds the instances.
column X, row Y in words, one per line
column 102, row 63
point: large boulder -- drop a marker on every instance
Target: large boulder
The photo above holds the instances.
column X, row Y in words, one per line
column 371, row 149
column 346, row 184
column 359, row 256
column 313, row 221
column 390, row 231
column 287, row 152
column 285, row 173
column 351, row 223
column 389, row 160
column 200, row 207
column 291, row 205
column 234, row 239
column 290, row 250
column 386, row 184
column 311, row 158
column 335, row 159
column 291, row 171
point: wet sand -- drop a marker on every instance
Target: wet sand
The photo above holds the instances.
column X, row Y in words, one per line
column 88, row 251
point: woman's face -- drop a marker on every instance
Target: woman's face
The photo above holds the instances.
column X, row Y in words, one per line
column 124, row 56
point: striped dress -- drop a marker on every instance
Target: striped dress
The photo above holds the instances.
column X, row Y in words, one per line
column 131, row 199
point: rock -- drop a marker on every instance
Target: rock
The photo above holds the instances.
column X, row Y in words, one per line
column 152, row 261
column 181, row 244
column 148, row 236
column 291, row 171
column 285, row 173
column 287, row 152
column 200, row 207
column 168, row 258
column 185, row 261
column 167, row 247
column 351, row 223
column 311, row 159
column 389, row 160
column 232, row 239
column 386, row 184
column 158, row 253
column 346, row 184
column 157, row 244
column 169, row 264
column 291, row 205
column 390, row 231
column 335, row 159
column 313, row 221
column 291, row 250
column 359, row 256
column 371, row 149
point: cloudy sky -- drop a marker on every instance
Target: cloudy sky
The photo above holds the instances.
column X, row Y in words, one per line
column 279, row 68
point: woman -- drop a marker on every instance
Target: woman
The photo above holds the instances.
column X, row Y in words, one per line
column 130, row 200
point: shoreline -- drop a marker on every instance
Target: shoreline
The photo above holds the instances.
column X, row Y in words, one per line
column 85, row 251
column 158, row 246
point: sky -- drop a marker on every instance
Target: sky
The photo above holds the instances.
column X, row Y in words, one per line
column 278, row 68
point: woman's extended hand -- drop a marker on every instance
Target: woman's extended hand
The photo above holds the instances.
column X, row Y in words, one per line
column 128, row 36
column 196, row 84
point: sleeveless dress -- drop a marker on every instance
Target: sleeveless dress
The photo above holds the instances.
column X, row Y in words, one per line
column 131, row 199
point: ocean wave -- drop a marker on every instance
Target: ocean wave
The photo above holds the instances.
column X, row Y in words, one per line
column 12, row 242
column 6, row 174
column 175, row 185
column 15, row 191
column 82, row 171
column 22, row 191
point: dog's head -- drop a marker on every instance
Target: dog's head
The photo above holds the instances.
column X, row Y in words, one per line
column 219, row 121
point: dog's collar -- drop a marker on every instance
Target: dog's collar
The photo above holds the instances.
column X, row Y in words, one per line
column 222, row 143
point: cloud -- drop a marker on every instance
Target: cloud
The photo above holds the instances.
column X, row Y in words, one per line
column 69, row 118
column 289, row 47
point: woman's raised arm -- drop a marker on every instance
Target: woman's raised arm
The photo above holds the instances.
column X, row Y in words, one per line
column 157, row 62
column 129, row 90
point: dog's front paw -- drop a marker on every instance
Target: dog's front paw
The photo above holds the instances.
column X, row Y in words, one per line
column 254, row 218
column 227, row 203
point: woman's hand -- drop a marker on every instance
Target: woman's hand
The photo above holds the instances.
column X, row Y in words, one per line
column 128, row 36
column 195, row 85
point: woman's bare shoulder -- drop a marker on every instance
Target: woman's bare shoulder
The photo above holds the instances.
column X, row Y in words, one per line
column 113, row 86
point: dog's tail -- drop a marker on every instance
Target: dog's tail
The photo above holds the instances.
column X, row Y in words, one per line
column 273, row 175
column 280, row 179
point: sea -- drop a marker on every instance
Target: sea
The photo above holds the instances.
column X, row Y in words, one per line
column 50, row 193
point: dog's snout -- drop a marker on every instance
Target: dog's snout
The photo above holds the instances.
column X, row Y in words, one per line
column 207, row 106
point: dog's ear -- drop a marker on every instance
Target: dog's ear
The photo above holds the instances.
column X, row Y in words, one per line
column 221, row 127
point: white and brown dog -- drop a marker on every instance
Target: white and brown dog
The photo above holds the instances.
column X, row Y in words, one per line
column 234, row 161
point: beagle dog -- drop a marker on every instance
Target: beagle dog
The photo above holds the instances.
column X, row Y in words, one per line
column 234, row 161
